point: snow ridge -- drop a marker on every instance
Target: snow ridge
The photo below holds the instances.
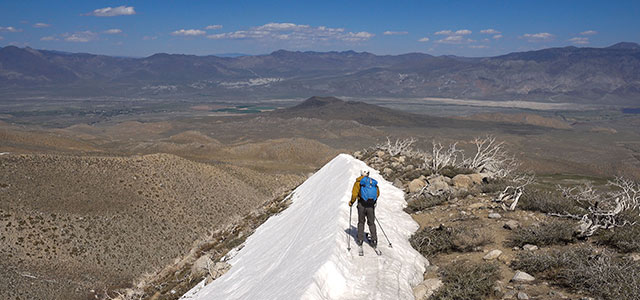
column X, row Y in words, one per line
column 302, row 252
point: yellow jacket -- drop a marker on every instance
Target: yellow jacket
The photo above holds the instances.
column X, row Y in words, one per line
column 355, row 192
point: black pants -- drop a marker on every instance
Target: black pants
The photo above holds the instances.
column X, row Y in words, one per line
column 367, row 210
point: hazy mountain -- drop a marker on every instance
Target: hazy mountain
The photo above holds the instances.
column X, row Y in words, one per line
column 603, row 75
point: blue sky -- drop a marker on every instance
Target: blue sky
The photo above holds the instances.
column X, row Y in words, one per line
column 466, row 28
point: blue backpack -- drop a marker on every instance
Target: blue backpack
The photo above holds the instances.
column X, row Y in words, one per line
column 368, row 189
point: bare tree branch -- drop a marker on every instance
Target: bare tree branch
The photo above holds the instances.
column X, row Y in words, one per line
column 398, row 147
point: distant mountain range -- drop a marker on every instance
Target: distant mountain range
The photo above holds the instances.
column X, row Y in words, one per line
column 608, row 75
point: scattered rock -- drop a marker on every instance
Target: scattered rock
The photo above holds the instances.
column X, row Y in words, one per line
column 530, row 247
column 201, row 266
column 387, row 172
column 493, row 254
column 522, row 296
column 416, row 185
column 509, row 294
column 397, row 183
column 511, row 224
column 432, row 269
column 409, row 168
column 425, row 289
column 522, row 277
column 635, row 256
column 494, row 216
column 217, row 270
column 380, row 153
column 357, row 154
column 476, row 205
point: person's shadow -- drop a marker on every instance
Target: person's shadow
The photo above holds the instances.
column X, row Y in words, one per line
column 352, row 231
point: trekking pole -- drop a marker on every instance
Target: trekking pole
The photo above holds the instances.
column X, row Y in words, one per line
column 349, row 234
column 385, row 235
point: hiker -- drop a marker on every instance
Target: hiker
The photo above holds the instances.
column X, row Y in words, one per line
column 366, row 191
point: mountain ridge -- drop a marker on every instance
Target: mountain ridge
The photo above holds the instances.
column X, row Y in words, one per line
column 609, row 75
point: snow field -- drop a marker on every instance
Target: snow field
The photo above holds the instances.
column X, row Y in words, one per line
column 302, row 252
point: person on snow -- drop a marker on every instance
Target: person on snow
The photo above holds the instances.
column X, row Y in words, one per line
column 366, row 191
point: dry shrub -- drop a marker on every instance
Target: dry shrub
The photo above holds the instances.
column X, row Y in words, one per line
column 554, row 232
column 626, row 238
column 430, row 241
column 549, row 202
column 423, row 202
column 451, row 171
column 467, row 280
column 494, row 186
column 600, row 273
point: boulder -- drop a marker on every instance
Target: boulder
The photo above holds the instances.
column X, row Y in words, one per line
column 357, row 154
column 511, row 224
column 425, row 289
column 522, row 277
column 493, row 254
column 387, row 172
column 523, row 296
column 380, row 153
column 530, row 247
column 494, row 216
column 462, row 181
column 478, row 178
column 416, row 185
column 436, row 184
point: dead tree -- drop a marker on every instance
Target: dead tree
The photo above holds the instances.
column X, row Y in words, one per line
column 441, row 157
column 510, row 196
column 492, row 158
column 398, row 147
column 605, row 210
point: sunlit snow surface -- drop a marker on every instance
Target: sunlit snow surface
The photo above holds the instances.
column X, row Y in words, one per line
column 302, row 252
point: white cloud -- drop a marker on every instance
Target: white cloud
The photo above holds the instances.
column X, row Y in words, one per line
column 395, row 32
column 538, row 37
column 49, row 38
column 457, row 32
column 478, row 46
column 589, row 32
column 10, row 29
column 41, row 25
column 149, row 38
column 490, row 31
column 497, row 36
column 295, row 32
column 579, row 40
column 189, row 32
column 455, row 39
column 80, row 37
column 113, row 11
column 357, row 37
column 423, row 40
column 113, row 31
column 213, row 27
column 444, row 32
column 281, row 27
